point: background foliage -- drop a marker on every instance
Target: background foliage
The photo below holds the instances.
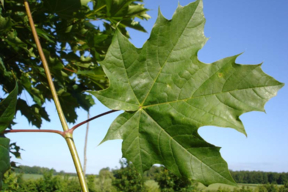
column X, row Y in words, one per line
column 73, row 46
column 155, row 180
column 127, row 178
column 169, row 182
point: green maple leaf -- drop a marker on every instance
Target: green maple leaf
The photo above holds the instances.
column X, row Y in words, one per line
column 8, row 109
column 2, row 3
column 4, row 157
column 167, row 94
column 5, row 24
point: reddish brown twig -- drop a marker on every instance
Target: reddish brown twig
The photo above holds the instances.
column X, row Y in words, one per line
column 35, row 131
column 62, row 133
column 69, row 70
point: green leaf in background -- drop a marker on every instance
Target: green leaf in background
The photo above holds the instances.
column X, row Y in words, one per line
column 15, row 150
column 64, row 28
column 2, row 3
column 7, row 109
column 33, row 113
column 117, row 11
column 168, row 94
column 96, row 75
column 63, row 8
column 5, row 24
column 4, row 157
column 3, row 69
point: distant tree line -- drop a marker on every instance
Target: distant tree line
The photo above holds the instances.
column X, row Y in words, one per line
column 38, row 170
column 255, row 177
column 259, row 177
column 33, row 170
column 260, row 188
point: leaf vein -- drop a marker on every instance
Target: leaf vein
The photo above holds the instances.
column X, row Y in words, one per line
column 172, row 152
column 190, row 98
column 185, row 149
column 208, row 112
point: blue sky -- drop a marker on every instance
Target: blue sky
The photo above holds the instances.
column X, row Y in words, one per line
column 259, row 29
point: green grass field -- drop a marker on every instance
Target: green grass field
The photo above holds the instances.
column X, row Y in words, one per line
column 31, row 176
column 37, row 176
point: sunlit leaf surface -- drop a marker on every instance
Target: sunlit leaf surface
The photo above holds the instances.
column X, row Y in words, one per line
column 167, row 94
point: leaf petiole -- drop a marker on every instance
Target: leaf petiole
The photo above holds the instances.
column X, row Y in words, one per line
column 90, row 119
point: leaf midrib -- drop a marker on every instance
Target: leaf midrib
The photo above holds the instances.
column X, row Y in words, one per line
column 127, row 73
column 167, row 56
